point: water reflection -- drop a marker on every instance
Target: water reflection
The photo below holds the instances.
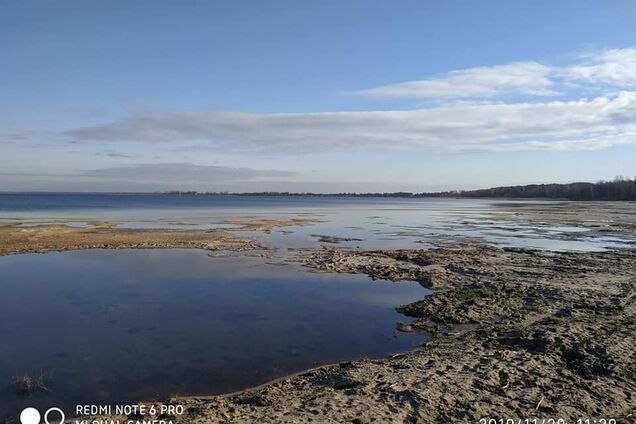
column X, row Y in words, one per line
column 379, row 223
column 114, row 326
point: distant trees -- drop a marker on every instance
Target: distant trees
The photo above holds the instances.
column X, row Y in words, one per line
column 620, row 188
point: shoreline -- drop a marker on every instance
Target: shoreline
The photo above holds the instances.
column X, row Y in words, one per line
column 99, row 234
column 551, row 335
column 453, row 194
column 58, row 238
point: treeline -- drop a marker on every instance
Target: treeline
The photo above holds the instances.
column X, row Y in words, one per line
column 618, row 189
column 292, row 194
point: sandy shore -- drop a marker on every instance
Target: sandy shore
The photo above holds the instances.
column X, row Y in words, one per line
column 39, row 238
column 102, row 235
column 518, row 334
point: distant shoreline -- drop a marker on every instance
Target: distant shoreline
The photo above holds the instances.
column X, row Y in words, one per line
column 618, row 189
column 623, row 191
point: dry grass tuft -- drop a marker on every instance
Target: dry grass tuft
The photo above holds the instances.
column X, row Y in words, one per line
column 26, row 384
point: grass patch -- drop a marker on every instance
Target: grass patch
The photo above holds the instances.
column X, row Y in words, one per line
column 473, row 294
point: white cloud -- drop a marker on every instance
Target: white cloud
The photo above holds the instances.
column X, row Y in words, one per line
column 614, row 68
column 517, row 78
column 181, row 173
column 455, row 128
column 187, row 176
column 150, row 177
column 568, row 144
column 482, row 122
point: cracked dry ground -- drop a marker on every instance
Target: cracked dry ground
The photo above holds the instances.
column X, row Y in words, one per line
column 543, row 335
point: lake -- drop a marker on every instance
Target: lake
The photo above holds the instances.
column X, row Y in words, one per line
column 120, row 326
column 376, row 222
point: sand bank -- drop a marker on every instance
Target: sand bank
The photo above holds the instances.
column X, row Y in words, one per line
column 102, row 235
column 267, row 225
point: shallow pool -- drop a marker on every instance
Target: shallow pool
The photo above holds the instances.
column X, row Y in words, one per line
column 125, row 325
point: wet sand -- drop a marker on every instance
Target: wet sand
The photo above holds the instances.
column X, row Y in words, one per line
column 267, row 225
column 99, row 234
column 102, row 235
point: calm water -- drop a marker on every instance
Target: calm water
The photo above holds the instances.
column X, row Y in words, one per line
column 25, row 202
column 114, row 326
column 375, row 222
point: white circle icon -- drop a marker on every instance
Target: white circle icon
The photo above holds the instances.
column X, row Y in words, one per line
column 30, row 416
column 59, row 411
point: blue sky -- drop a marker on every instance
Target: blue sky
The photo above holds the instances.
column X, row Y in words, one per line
column 314, row 95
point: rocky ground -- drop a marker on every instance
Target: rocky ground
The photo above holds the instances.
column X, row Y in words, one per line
column 518, row 334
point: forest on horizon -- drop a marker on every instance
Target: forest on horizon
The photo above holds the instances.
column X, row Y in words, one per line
column 619, row 188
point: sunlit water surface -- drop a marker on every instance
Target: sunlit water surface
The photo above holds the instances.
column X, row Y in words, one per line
column 119, row 326
column 375, row 222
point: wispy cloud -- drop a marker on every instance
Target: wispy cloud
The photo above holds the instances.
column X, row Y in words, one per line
column 599, row 111
column 181, row 173
column 149, row 177
column 113, row 154
column 188, row 176
column 614, row 68
column 517, row 78
column 583, row 123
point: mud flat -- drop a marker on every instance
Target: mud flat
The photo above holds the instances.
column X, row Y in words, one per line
column 267, row 225
column 333, row 239
column 600, row 219
column 33, row 237
column 102, row 235
column 518, row 334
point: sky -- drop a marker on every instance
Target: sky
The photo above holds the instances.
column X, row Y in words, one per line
column 315, row 95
